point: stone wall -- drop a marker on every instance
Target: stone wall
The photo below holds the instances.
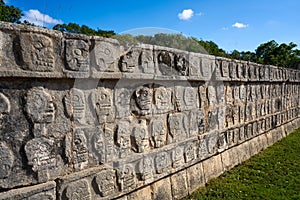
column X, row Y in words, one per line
column 90, row 118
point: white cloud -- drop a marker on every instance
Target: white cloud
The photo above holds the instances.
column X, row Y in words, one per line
column 40, row 19
column 6, row 1
column 186, row 14
column 239, row 25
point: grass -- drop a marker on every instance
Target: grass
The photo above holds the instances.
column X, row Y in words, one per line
column 272, row 174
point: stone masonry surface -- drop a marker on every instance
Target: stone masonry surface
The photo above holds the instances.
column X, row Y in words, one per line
column 93, row 118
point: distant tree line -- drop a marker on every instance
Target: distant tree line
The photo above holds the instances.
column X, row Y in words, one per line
column 269, row 53
column 76, row 28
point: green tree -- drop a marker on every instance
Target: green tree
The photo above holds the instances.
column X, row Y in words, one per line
column 76, row 28
column 248, row 56
column 9, row 13
column 213, row 49
column 284, row 55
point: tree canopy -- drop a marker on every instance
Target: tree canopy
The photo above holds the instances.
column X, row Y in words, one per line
column 9, row 13
column 83, row 29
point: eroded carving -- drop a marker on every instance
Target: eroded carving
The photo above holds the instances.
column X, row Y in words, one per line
column 197, row 122
column 181, row 65
column 78, row 190
column 130, row 61
column 6, row 160
column 4, row 108
column 146, row 168
column 165, row 59
column 186, row 98
column 99, row 145
column 102, row 102
column 162, row 100
column 36, row 52
column 122, row 96
column 147, row 61
column 178, row 126
column 106, row 55
column 106, row 182
column 158, row 132
column 143, row 99
column 189, row 152
column 126, row 178
column 162, row 162
column 39, row 155
column 140, row 137
column 123, row 138
column 177, row 157
column 39, row 106
column 77, row 55
column 80, row 149
column 75, row 105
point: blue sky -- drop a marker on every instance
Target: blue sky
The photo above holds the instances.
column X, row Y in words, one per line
column 232, row 24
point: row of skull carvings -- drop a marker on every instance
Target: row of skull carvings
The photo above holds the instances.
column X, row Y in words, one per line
column 38, row 52
column 131, row 173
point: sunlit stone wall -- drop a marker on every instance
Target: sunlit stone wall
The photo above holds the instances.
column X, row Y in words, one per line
column 90, row 118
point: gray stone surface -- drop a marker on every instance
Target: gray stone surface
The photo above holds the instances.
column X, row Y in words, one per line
column 195, row 177
column 104, row 118
column 179, row 185
column 212, row 167
column 161, row 189
column 41, row 191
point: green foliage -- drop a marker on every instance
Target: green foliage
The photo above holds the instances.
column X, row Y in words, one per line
column 284, row 55
column 9, row 13
column 75, row 28
column 177, row 41
column 272, row 174
column 212, row 48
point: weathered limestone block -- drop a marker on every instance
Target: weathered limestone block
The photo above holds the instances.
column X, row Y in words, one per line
column 243, row 152
column 163, row 100
column 171, row 62
column 77, row 61
column 201, row 66
column 222, row 69
column 158, row 130
column 89, row 184
column 161, row 189
column 179, row 185
column 212, row 167
column 178, row 127
column 104, row 56
column 186, row 98
column 230, row 158
column 140, row 137
column 195, row 177
column 41, row 191
column 36, row 52
column 144, row 193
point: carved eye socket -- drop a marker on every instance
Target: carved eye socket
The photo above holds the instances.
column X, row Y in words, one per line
column 75, row 98
column 78, row 52
column 145, row 93
column 103, row 96
column 38, row 45
column 77, row 141
column 107, row 51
